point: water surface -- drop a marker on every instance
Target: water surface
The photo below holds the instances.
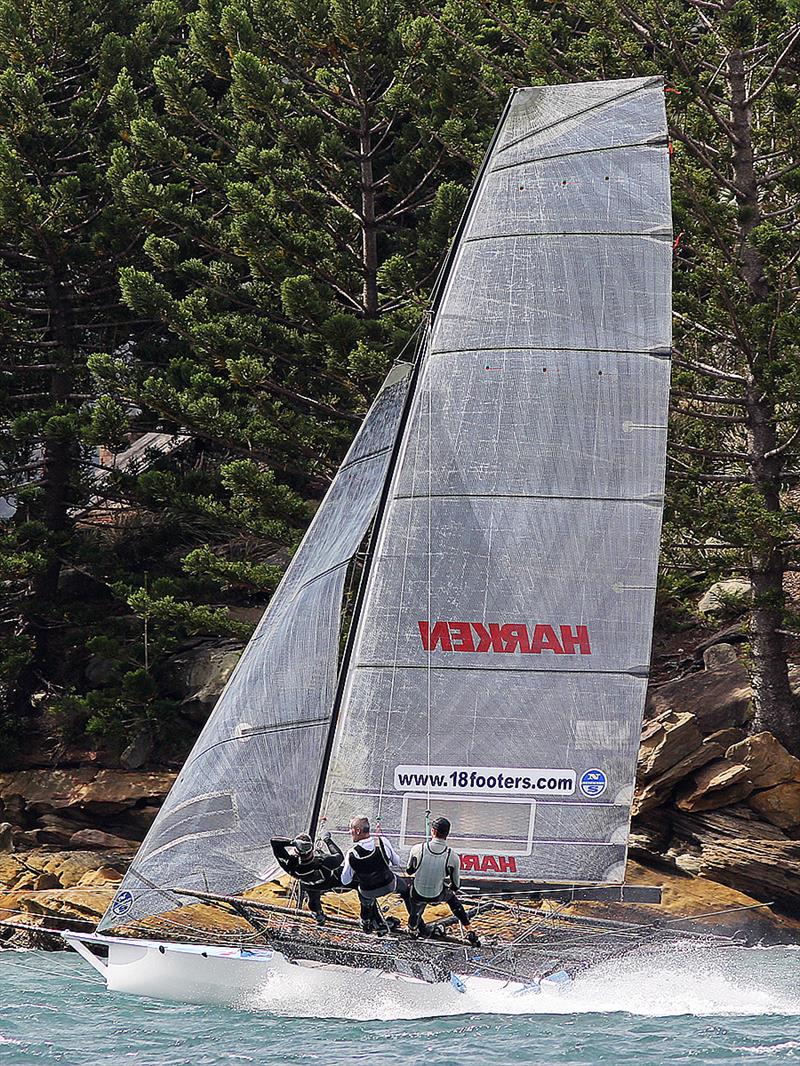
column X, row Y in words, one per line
column 704, row 1006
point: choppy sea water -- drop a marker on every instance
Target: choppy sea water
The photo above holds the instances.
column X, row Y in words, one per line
column 701, row 1006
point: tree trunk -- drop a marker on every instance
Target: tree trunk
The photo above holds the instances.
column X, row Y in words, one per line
column 369, row 232
column 775, row 707
column 57, row 462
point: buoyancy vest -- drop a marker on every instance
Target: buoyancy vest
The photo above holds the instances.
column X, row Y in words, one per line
column 371, row 870
column 312, row 874
column 431, row 873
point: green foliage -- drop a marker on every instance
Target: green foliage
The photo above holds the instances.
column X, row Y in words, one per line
column 224, row 228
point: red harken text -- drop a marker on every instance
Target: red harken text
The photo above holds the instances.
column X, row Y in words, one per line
column 511, row 637
column 499, row 864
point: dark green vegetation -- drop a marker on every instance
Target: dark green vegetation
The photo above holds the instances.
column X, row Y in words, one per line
column 222, row 221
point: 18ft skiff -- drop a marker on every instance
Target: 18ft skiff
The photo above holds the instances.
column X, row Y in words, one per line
column 511, row 480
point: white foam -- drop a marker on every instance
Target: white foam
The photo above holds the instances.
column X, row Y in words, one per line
column 690, row 981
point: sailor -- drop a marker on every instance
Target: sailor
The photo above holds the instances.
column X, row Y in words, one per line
column 368, row 866
column 435, row 867
column 318, row 869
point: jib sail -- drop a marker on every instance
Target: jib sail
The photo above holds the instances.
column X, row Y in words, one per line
column 253, row 771
column 499, row 667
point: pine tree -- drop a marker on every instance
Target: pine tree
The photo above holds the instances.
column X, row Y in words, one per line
column 300, row 173
column 61, row 242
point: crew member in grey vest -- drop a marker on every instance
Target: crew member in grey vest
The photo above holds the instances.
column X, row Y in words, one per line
column 368, row 866
column 436, row 867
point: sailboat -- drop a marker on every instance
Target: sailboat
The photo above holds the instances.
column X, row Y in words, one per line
column 508, row 484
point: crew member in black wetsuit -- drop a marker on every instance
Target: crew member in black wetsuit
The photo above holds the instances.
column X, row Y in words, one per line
column 368, row 867
column 318, row 869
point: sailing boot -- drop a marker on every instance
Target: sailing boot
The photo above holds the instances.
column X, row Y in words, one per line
column 473, row 938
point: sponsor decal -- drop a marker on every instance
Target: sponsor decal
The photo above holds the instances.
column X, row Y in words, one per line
column 497, row 864
column 123, row 901
column 506, row 638
column 593, row 783
column 485, row 780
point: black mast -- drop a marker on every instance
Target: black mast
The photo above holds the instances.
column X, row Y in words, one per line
column 436, row 298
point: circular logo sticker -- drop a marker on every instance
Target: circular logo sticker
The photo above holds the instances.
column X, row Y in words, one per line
column 593, row 783
column 123, row 901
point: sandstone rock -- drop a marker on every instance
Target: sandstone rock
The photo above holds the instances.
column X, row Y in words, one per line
column 139, row 750
column 654, row 792
column 27, row 838
column 710, row 826
column 718, row 698
column 138, row 820
column 709, row 801
column 56, row 821
column 13, row 809
column 45, row 789
column 106, row 875
column 768, row 869
column 719, row 655
column 696, row 896
column 201, row 674
column 112, row 791
column 723, row 594
column 714, row 785
column 6, row 838
column 70, row 866
column 665, row 741
column 69, row 906
column 779, row 805
column 733, row 634
column 766, row 759
column 44, row 881
column 50, row 835
column 100, row 671
column 726, row 737
column 96, row 838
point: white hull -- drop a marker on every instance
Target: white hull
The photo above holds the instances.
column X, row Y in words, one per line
column 196, row 973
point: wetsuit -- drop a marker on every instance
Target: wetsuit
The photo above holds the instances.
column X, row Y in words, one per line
column 317, row 873
column 434, row 864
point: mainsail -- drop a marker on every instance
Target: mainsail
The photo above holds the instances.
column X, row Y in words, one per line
column 499, row 665
column 253, row 771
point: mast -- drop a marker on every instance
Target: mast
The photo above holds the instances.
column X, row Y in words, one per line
column 436, row 297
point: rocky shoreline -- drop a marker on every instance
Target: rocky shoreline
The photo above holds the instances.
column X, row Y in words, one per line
column 716, row 813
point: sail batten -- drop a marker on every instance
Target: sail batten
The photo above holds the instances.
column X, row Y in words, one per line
column 507, row 622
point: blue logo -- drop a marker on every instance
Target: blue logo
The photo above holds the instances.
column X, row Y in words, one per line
column 123, row 901
column 593, row 783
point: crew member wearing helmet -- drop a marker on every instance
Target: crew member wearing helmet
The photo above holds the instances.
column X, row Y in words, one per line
column 435, row 867
column 318, row 869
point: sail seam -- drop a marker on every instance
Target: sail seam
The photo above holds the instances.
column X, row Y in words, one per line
column 661, row 235
column 524, row 496
column 657, row 353
column 579, row 114
column 504, row 669
column 654, row 143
